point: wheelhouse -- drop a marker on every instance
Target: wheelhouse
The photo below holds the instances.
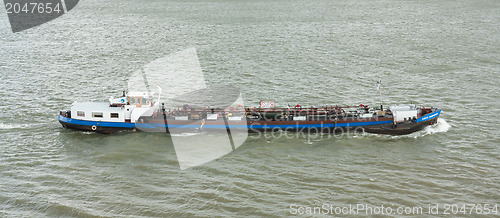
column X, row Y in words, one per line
column 139, row 99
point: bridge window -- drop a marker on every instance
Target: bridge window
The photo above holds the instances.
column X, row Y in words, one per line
column 140, row 100
column 80, row 113
column 114, row 115
column 97, row 114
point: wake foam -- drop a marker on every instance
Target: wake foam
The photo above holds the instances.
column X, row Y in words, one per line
column 186, row 134
column 13, row 126
column 440, row 126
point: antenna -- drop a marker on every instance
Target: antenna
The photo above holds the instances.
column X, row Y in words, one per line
column 159, row 93
column 377, row 86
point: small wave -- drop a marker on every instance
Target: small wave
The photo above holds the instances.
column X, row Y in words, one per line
column 13, row 126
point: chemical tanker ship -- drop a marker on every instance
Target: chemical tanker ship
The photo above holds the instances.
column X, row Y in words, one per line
column 138, row 112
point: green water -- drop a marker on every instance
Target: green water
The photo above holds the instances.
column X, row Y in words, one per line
column 436, row 53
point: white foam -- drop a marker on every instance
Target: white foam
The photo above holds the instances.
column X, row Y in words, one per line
column 13, row 126
column 185, row 134
column 440, row 126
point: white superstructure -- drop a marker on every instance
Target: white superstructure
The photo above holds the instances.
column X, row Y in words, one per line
column 404, row 112
column 124, row 109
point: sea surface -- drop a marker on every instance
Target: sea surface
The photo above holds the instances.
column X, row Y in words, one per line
column 444, row 54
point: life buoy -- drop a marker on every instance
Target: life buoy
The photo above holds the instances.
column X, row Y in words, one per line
column 94, row 127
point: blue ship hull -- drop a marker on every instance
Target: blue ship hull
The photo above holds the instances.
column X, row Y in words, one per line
column 382, row 126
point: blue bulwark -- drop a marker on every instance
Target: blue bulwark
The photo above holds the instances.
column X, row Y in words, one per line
column 429, row 116
column 96, row 123
column 318, row 126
